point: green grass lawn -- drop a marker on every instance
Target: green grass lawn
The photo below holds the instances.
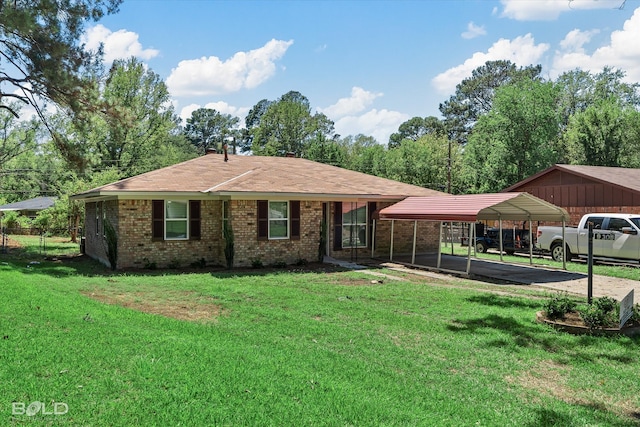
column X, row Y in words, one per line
column 292, row 348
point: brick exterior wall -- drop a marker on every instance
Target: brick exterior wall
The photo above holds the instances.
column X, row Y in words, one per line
column 427, row 235
column 132, row 220
column 248, row 248
column 426, row 240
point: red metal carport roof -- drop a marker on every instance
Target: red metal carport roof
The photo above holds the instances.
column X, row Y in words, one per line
column 473, row 207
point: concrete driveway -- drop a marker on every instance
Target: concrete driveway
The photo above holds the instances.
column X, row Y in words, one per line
column 548, row 278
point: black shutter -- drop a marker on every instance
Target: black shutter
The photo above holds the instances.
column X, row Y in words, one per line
column 263, row 220
column 157, row 214
column 371, row 208
column 294, row 221
column 337, row 226
column 194, row 220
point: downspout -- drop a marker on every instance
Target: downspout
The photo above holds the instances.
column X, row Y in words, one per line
column 391, row 248
column 373, row 239
column 415, row 234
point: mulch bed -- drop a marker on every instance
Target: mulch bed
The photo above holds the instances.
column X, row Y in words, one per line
column 572, row 323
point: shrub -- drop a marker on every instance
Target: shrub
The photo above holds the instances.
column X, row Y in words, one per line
column 201, row 263
column 112, row 244
column 150, row 265
column 635, row 317
column 279, row 264
column 256, row 263
column 605, row 304
column 600, row 314
column 558, row 306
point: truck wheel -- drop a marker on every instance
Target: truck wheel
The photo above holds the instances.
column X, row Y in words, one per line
column 481, row 247
column 557, row 252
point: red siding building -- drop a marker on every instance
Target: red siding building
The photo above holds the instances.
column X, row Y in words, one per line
column 585, row 189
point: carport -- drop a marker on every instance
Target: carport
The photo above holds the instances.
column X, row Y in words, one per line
column 469, row 209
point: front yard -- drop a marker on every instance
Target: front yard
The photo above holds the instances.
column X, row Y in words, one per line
column 298, row 346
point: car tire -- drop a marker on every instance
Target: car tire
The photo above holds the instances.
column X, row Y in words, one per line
column 557, row 252
column 481, row 247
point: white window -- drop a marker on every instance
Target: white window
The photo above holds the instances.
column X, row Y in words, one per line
column 278, row 220
column 176, row 220
column 354, row 225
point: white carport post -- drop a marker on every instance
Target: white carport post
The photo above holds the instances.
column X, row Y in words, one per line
column 391, row 247
column 500, row 227
column 439, row 247
column 415, row 236
column 564, row 246
column 530, row 242
column 472, row 238
column 451, row 235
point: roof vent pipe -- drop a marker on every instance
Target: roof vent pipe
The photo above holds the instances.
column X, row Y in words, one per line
column 226, row 156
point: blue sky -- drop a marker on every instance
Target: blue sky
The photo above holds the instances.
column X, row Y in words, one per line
column 367, row 65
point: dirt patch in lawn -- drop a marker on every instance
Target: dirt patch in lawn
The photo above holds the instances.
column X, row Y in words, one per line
column 550, row 378
column 181, row 305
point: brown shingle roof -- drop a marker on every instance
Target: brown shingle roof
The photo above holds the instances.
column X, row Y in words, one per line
column 259, row 174
column 623, row 177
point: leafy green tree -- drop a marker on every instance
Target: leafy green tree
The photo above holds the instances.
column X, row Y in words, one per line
column 515, row 140
column 137, row 121
column 208, row 128
column 41, row 57
column 602, row 135
column 329, row 151
column 579, row 89
column 16, row 136
column 474, row 95
column 252, row 121
column 423, row 162
column 140, row 116
column 417, row 127
column 287, row 126
column 363, row 154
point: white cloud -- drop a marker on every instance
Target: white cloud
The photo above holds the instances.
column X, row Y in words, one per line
column 522, row 51
column 549, row 10
column 575, row 40
column 211, row 76
column 473, row 31
column 377, row 123
column 117, row 45
column 622, row 51
column 359, row 100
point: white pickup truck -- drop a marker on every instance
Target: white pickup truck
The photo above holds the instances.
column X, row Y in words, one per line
column 614, row 236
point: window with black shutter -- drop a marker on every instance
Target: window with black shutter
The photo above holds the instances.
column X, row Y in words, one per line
column 157, row 214
column 263, row 220
column 195, row 220
column 337, row 226
column 294, row 221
